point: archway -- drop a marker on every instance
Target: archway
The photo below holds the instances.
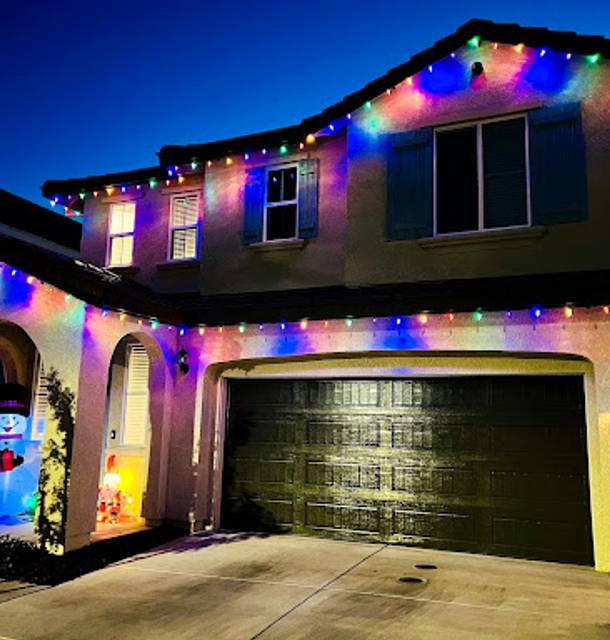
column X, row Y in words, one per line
column 23, row 413
column 127, row 441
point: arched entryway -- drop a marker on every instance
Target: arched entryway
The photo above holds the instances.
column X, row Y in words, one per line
column 23, row 413
column 127, row 439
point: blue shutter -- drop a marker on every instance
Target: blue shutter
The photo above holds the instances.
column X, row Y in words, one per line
column 308, row 198
column 558, row 164
column 254, row 194
column 410, row 185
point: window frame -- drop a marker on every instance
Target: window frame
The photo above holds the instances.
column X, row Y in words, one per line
column 111, row 235
column 478, row 124
column 172, row 228
column 279, row 167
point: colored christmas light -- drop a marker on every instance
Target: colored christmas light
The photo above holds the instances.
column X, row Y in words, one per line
column 242, row 327
column 475, row 41
column 310, row 139
column 303, row 324
column 152, row 183
column 568, row 312
column 477, row 315
column 283, row 149
column 349, row 321
column 594, row 58
column 194, row 165
column 422, row 318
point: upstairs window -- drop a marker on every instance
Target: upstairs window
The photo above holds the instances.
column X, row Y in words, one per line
column 481, row 176
column 184, row 227
column 281, row 209
column 122, row 226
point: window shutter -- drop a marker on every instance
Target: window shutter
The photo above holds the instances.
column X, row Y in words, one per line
column 253, row 206
column 308, row 198
column 135, row 412
column 409, row 212
column 557, row 164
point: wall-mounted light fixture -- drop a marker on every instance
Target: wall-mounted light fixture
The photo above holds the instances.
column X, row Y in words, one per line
column 182, row 361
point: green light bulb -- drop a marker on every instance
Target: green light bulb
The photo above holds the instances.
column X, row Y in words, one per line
column 594, row 58
column 478, row 316
column 475, row 41
column 283, row 149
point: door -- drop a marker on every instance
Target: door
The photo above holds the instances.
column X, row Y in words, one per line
column 492, row 465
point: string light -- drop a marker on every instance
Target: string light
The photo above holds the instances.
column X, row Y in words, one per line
column 536, row 312
column 201, row 331
column 172, row 171
column 283, row 326
column 606, row 309
column 30, row 279
column 242, row 327
column 423, row 318
column 122, row 317
column 568, row 312
column 349, row 321
column 261, row 327
column 477, row 315
column 450, row 316
column 303, row 324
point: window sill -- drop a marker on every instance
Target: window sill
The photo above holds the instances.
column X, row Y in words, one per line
column 178, row 265
column 520, row 235
column 125, row 272
column 278, row 245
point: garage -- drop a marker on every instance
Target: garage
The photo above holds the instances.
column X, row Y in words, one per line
column 490, row 464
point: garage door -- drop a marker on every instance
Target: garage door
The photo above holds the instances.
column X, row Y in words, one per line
column 493, row 465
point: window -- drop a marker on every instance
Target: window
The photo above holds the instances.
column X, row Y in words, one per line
column 184, row 227
column 281, row 210
column 135, row 401
column 481, row 176
column 122, row 226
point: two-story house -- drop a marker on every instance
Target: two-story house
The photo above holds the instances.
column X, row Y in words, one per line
column 388, row 322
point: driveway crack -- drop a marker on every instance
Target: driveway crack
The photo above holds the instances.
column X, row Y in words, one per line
column 316, row 592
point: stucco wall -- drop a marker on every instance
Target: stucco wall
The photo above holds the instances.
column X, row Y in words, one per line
column 508, row 86
column 229, row 266
column 152, row 233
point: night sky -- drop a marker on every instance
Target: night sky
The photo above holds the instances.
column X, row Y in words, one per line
column 91, row 87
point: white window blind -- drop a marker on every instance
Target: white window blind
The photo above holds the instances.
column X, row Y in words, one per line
column 41, row 404
column 184, row 222
column 135, row 406
column 122, row 227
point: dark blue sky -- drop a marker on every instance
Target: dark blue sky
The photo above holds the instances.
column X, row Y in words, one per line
column 91, row 87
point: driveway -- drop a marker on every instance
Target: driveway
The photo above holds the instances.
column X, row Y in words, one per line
column 236, row 586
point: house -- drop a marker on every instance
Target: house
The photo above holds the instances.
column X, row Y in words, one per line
column 390, row 321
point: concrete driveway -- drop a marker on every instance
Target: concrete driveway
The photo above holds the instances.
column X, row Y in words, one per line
column 233, row 586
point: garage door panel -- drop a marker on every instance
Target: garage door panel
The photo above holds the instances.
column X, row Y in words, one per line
column 437, row 481
column 346, row 518
column 341, row 393
column 428, row 526
column 489, row 464
column 343, row 433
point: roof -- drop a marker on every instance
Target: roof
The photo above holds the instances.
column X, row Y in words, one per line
column 553, row 290
column 567, row 41
column 21, row 214
column 94, row 285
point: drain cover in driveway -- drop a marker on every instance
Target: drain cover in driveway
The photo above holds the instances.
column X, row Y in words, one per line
column 411, row 580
